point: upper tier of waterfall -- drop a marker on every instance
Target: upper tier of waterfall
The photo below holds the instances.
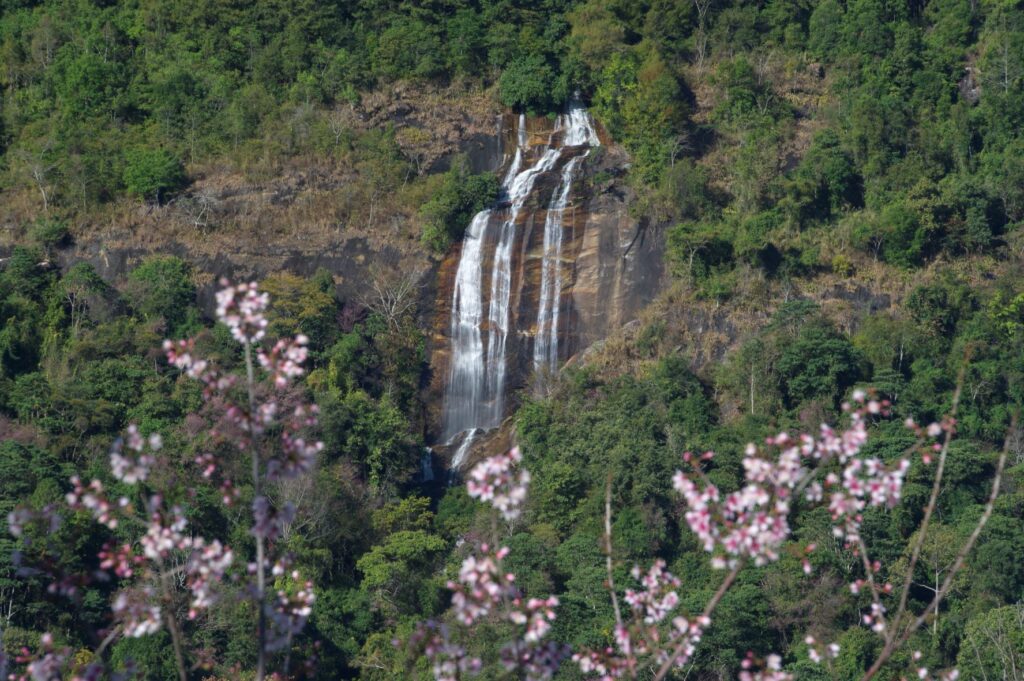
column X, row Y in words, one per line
column 481, row 319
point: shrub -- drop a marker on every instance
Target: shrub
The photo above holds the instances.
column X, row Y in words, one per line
column 49, row 233
column 161, row 287
column 841, row 265
column 150, row 173
column 459, row 198
column 527, row 84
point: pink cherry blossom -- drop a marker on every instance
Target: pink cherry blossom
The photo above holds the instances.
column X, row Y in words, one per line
column 138, row 611
column 242, row 308
column 495, row 481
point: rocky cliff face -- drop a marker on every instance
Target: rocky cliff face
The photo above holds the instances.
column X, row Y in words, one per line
column 297, row 214
column 617, row 261
column 304, row 214
column 611, row 263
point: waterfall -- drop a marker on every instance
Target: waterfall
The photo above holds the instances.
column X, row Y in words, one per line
column 501, row 282
column 475, row 391
column 463, row 450
column 465, row 401
column 545, row 344
column 427, row 464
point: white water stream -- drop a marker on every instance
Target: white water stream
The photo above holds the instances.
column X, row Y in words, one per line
column 475, row 392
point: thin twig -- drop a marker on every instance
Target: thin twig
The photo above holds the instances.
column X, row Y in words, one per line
column 895, row 642
column 666, row 667
column 113, row 634
column 608, row 550
column 261, row 660
column 875, row 594
column 172, row 627
column 930, row 508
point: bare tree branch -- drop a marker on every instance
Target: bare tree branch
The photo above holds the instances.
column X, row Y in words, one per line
column 896, row 642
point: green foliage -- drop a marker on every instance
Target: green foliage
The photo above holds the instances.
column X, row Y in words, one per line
column 408, row 47
column 819, row 363
column 302, row 306
column 460, row 196
column 526, row 84
column 48, row 233
column 162, row 288
column 618, row 428
column 993, row 642
column 151, row 173
column 698, row 250
column 796, row 361
column 396, row 573
column 639, row 99
column 149, row 654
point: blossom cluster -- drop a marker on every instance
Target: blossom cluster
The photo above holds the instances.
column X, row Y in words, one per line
column 449, row 661
column 205, row 565
column 650, row 606
column 818, row 654
column 770, row 670
column 128, row 469
column 284, row 361
column 496, row 481
column 480, row 587
column 181, row 355
column 864, row 482
column 753, row 522
column 484, row 589
column 297, row 456
column 138, row 610
column 92, row 498
column 289, row 610
column 241, row 308
column 658, row 598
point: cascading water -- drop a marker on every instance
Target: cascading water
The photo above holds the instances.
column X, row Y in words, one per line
column 466, row 400
column 475, row 391
column 463, row 450
column 545, row 344
column 427, row 464
column 501, row 281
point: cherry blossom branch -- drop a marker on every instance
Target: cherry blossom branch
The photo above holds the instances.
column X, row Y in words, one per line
column 169, row 557
column 680, row 647
column 877, row 618
column 895, row 643
column 261, row 577
column 932, row 503
column 163, row 578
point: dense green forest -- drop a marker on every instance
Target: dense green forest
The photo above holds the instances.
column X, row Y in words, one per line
column 782, row 147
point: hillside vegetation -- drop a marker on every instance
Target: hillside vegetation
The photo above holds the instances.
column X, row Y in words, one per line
column 840, row 188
